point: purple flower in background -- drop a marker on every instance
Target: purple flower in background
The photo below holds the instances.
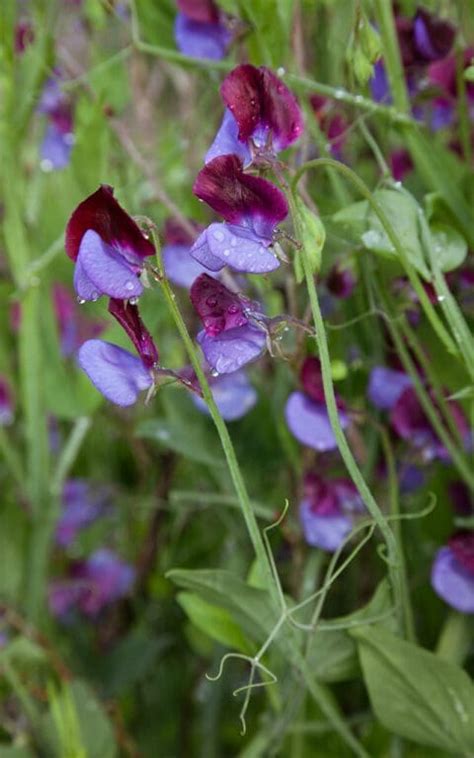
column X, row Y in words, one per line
column 82, row 504
column 306, row 413
column 74, row 328
column 180, row 267
column 94, row 584
column 401, row 164
column 340, row 282
column 200, row 30
column 461, row 498
column 24, row 36
column 116, row 373
column 6, row 403
column 379, row 85
column 262, row 116
column 452, row 573
column 410, row 477
column 108, row 247
column 385, row 386
column 251, row 207
column 433, row 37
column 327, row 511
column 233, row 394
column 409, row 421
column 55, row 151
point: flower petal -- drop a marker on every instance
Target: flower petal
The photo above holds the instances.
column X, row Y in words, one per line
column 55, row 152
column 325, row 532
column 199, row 10
column 111, row 274
column 201, row 252
column 117, row 374
column 102, row 213
column 386, row 386
column 281, row 112
column 452, row 582
column 309, row 422
column 129, row 319
column 233, row 394
column 241, row 249
column 226, row 141
column 232, row 349
column 200, row 39
column 218, row 308
column 180, row 267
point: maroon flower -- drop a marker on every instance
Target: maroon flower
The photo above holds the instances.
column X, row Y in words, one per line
column 128, row 317
column 203, row 11
column 340, row 282
column 218, row 307
column 462, row 545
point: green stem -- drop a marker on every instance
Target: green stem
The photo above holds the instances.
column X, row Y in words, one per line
column 12, row 459
column 394, row 563
column 69, row 454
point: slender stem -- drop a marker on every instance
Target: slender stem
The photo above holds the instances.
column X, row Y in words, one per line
column 394, row 563
column 12, row 459
column 69, row 453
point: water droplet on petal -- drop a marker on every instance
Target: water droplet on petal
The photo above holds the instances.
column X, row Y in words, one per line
column 133, row 300
column 214, row 372
column 211, row 302
column 226, row 253
column 129, row 285
column 233, row 241
column 219, row 236
column 81, row 300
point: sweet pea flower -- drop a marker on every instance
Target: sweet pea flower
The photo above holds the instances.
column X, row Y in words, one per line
column 340, row 282
column 116, row 373
column 229, row 339
column 306, row 413
column 74, row 328
column 55, row 151
column 233, row 395
column 452, row 573
column 327, row 511
column 262, row 116
column 385, row 386
column 108, row 248
column 94, row 584
column 408, row 419
column 423, row 38
column 200, row 30
column 180, row 267
column 24, row 36
column 81, row 506
column 251, row 207
column 6, row 403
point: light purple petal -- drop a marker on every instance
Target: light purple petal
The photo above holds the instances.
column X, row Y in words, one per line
column 309, row 422
column 117, row 374
column 227, row 141
column 325, row 532
column 105, row 268
column 201, row 252
column 180, row 267
column 200, row 39
column 386, row 386
column 234, row 396
column 453, row 583
column 241, row 249
column 55, row 151
column 232, row 349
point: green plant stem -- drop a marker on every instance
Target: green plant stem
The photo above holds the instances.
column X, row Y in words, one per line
column 411, row 273
column 394, row 562
column 12, row 459
column 455, row 638
column 69, row 454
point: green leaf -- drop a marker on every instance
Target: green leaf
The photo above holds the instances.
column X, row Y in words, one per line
column 216, row 622
column 11, row 751
column 24, row 654
column 416, row 694
column 449, row 246
column 311, row 234
column 271, row 23
column 469, row 74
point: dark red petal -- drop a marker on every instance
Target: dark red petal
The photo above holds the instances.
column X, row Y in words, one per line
column 280, row 109
column 234, row 195
column 102, row 213
column 174, row 234
column 204, row 11
column 322, row 496
column 406, row 40
column 462, row 545
column 434, row 36
column 218, row 308
column 241, row 91
column 129, row 318
column 312, row 380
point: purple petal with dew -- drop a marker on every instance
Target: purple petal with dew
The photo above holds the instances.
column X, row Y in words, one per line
column 180, row 267
column 326, row 532
column 116, row 373
column 309, row 422
column 107, row 269
column 386, row 386
column 86, row 290
column 232, row 349
column 233, row 394
column 241, row 249
column 55, row 151
column 200, row 39
column 51, row 98
column 201, row 251
column 227, row 141
column 218, row 307
column 453, row 583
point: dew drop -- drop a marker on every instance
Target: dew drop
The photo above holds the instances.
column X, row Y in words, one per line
column 81, row 300
column 129, row 285
column 281, row 71
column 46, row 165
column 233, row 308
column 440, row 298
column 214, row 372
column 133, row 300
column 219, row 236
column 226, row 253
column 211, row 302
column 339, row 94
column 233, row 241
column 94, row 296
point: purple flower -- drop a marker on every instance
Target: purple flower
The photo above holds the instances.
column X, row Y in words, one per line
column 74, row 328
column 232, row 349
column 410, row 477
column 55, row 151
column 340, row 282
column 306, row 413
column 442, row 74
column 218, row 307
column 129, row 319
column 233, row 394
column 116, row 373
column 379, row 85
column 200, row 39
column 401, row 164
column 251, row 207
column 180, row 267
column 433, row 37
column 327, row 511
column 461, row 498
column 266, row 114
column 81, row 506
column 24, row 36
column 94, row 584
column 452, row 573
column 6, row 403
column 108, row 248
column 386, row 386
